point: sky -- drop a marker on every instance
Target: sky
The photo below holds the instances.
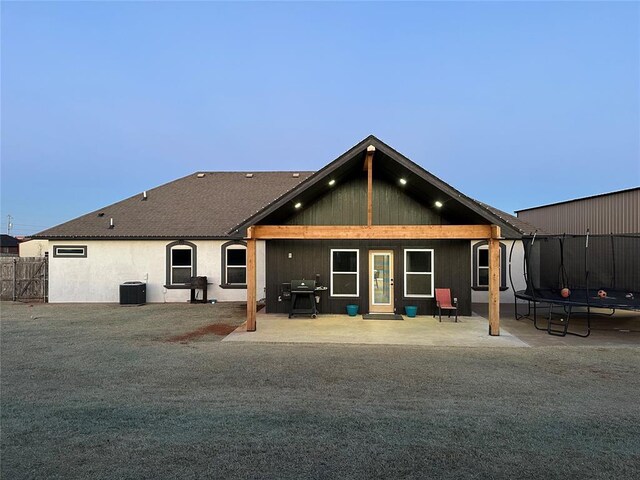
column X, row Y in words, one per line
column 516, row 104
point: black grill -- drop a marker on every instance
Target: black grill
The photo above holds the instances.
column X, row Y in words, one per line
column 303, row 298
column 303, row 286
column 198, row 283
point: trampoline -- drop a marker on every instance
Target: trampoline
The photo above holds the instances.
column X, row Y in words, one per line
column 600, row 272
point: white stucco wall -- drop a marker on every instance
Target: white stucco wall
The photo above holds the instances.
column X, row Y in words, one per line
column 34, row 248
column 109, row 263
column 517, row 273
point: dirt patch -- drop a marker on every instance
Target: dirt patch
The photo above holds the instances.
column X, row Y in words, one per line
column 221, row 329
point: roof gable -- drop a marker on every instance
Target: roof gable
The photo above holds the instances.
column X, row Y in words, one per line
column 389, row 165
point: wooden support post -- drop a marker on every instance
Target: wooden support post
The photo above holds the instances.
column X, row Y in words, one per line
column 251, row 284
column 494, row 281
column 369, row 162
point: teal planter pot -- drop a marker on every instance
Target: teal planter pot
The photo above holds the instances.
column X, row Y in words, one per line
column 352, row 310
column 411, row 311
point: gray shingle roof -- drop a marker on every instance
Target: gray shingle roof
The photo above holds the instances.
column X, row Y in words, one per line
column 520, row 225
column 190, row 207
column 213, row 204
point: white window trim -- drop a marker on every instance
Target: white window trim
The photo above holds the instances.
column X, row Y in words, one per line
column 478, row 267
column 357, row 272
column 190, row 267
column 404, row 266
column 238, row 246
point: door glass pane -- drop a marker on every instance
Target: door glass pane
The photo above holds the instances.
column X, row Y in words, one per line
column 381, row 279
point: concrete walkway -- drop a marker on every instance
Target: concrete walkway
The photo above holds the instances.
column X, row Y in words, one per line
column 421, row 330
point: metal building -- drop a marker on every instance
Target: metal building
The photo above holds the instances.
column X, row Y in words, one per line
column 615, row 212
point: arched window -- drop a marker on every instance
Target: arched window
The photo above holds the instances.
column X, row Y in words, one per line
column 480, row 260
column 234, row 265
column 181, row 263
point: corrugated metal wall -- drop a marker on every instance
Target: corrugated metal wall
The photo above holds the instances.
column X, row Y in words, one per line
column 617, row 212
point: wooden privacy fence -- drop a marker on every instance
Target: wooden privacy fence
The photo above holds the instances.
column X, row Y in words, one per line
column 24, row 279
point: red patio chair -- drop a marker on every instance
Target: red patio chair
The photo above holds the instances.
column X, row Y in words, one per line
column 443, row 302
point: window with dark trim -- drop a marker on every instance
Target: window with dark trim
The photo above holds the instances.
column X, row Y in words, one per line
column 70, row 251
column 181, row 264
column 234, row 264
column 480, row 266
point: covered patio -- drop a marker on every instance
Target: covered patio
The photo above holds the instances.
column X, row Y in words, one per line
column 382, row 237
column 423, row 330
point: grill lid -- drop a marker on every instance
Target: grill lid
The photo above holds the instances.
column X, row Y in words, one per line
column 303, row 285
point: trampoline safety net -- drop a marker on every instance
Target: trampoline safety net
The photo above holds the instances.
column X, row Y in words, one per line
column 585, row 264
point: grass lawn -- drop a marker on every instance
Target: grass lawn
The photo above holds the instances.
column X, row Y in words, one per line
column 109, row 392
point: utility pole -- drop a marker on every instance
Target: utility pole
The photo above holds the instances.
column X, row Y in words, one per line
column 9, row 224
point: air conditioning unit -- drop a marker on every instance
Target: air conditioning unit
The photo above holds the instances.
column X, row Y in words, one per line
column 133, row 293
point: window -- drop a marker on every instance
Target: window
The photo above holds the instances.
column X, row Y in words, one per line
column 234, row 264
column 418, row 273
column 181, row 263
column 345, row 275
column 483, row 267
column 480, row 267
column 70, row 251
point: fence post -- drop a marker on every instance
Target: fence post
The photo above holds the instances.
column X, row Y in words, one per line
column 45, row 280
column 15, row 262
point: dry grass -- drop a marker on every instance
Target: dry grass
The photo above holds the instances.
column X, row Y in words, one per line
column 98, row 392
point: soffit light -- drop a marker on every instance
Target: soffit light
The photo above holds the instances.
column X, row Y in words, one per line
column 438, row 204
column 332, row 183
column 298, row 205
column 403, row 181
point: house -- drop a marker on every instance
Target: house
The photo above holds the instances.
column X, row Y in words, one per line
column 34, row 248
column 374, row 227
column 615, row 212
column 9, row 246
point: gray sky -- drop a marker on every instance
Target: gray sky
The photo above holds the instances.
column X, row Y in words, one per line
column 515, row 104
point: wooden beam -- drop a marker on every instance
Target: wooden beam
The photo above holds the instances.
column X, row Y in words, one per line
column 494, row 281
column 382, row 232
column 251, row 286
column 370, row 151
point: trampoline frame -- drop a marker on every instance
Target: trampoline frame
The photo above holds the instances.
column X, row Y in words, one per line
column 560, row 327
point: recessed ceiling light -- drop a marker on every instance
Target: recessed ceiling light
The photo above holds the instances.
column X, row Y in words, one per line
column 332, row 183
column 403, row 181
column 438, row 204
column 298, row 205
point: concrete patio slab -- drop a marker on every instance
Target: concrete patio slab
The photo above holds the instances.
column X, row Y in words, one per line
column 421, row 330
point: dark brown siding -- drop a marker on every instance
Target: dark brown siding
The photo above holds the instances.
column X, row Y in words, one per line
column 347, row 205
column 451, row 259
column 344, row 205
